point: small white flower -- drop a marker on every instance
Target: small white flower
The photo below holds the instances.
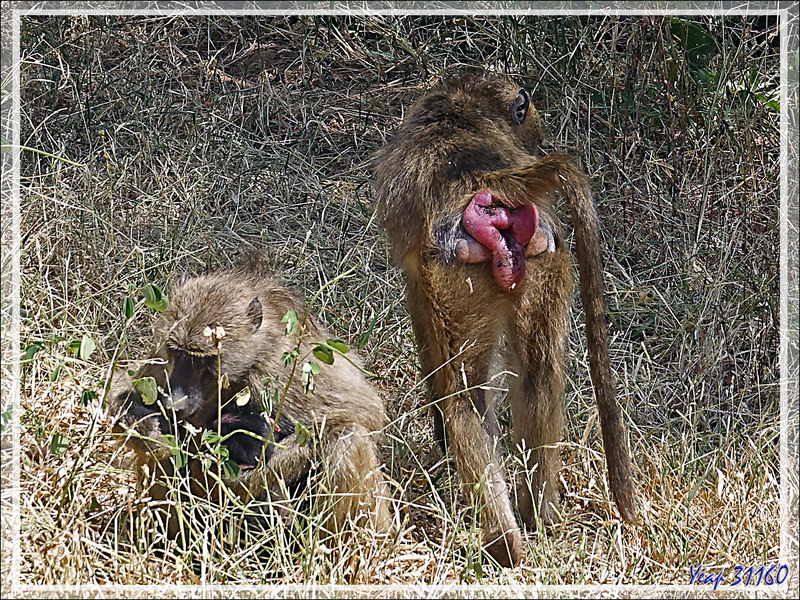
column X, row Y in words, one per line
column 191, row 429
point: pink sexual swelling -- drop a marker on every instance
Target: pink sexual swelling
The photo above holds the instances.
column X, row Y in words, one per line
column 503, row 230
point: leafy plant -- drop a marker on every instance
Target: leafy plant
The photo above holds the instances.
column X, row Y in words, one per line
column 154, row 298
column 698, row 44
column 147, row 388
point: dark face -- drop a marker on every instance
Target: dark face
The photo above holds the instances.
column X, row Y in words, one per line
column 194, row 385
column 209, row 339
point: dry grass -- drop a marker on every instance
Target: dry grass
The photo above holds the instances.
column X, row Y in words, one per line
column 206, row 136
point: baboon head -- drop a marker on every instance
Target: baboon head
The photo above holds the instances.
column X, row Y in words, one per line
column 245, row 449
column 492, row 107
column 210, row 340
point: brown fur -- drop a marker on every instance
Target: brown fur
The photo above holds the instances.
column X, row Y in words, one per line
column 458, row 139
column 344, row 414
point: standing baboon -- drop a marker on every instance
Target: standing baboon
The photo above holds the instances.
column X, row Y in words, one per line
column 223, row 333
column 462, row 184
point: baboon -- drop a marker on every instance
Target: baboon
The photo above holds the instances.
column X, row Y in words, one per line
column 235, row 425
column 223, row 333
column 463, row 183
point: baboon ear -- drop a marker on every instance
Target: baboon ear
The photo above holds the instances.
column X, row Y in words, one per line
column 184, row 278
column 255, row 313
column 519, row 106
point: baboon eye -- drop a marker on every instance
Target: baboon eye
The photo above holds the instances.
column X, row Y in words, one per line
column 519, row 107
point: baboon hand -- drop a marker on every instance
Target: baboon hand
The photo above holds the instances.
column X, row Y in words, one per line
column 504, row 231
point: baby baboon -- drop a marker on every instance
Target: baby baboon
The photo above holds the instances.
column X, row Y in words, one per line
column 223, row 333
column 461, row 184
column 235, row 426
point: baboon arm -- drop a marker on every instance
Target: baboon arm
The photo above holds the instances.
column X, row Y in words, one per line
column 288, row 463
column 532, row 184
column 143, row 425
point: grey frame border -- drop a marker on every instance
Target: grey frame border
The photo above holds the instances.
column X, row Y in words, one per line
column 787, row 12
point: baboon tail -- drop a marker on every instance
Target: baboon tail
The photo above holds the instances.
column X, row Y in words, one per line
column 587, row 244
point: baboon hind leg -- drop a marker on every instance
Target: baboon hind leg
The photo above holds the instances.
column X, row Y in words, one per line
column 456, row 357
column 537, row 340
column 354, row 478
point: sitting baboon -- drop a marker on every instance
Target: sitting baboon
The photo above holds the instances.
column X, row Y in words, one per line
column 462, row 184
column 223, row 333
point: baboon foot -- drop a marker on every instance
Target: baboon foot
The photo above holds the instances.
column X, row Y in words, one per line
column 549, row 510
column 507, row 549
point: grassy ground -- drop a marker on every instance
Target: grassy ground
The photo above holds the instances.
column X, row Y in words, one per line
column 202, row 137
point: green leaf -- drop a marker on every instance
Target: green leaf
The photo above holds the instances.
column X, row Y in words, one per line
column 324, row 354
column 152, row 293
column 171, row 442
column 288, row 358
column 75, row 348
column 87, row 396
column 205, row 463
column 154, row 298
column 307, row 376
column 128, row 307
column 59, row 443
column 56, row 373
column 180, row 459
column 695, row 39
column 703, row 75
column 773, row 104
column 232, row 470
column 291, row 320
column 5, row 418
column 362, row 340
column 338, row 345
column 475, row 566
column 87, row 347
column 364, row 337
column 222, row 451
column 301, row 433
column 211, row 437
column 174, row 447
column 243, row 397
column 147, row 388
column 264, row 396
column 700, row 46
column 31, row 350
